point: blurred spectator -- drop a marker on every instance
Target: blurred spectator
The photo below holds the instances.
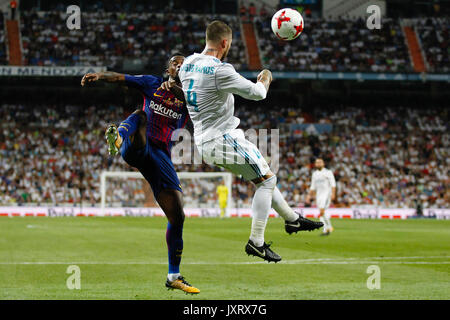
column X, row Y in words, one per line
column 13, row 6
column 243, row 12
column 263, row 12
column 251, row 11
column 308, row 12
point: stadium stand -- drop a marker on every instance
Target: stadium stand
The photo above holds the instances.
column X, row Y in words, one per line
column 386, row 157
column 116, row 36
column 336, row 45
column 343, row 45
column 434, row 35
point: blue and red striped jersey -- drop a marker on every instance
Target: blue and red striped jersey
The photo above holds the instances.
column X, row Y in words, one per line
column 165, row 113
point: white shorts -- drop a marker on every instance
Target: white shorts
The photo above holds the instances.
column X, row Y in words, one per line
column 323, row 201
column 236, row 154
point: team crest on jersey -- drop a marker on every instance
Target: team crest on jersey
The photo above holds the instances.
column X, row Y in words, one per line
column 169, row 101
column 174, row 102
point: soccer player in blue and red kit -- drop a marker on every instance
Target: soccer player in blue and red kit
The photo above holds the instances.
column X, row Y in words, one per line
column 144, row 141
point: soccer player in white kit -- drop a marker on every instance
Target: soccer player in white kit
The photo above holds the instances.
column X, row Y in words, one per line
column 208, row 85
column 323, row 185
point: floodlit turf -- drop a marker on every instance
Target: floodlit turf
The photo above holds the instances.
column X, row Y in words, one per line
column 125, row 258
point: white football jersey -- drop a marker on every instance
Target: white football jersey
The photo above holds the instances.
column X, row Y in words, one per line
column 208, row 86
column 322, row 181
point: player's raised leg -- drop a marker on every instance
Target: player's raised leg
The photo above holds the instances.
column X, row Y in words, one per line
column 126, row 131
column 294, row 222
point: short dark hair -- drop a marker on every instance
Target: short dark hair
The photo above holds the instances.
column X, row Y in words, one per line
column 176, row 54
column 217, row 31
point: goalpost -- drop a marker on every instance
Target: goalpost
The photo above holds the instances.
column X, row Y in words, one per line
column 183, row 176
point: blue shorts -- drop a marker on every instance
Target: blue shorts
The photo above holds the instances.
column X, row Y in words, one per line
column 154, row 163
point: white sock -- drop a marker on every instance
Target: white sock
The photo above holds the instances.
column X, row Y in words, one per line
column 257, row 232
column 261, row 204
column 327, row 219
column 325, row 225
column 281, row 207
column 173, row 276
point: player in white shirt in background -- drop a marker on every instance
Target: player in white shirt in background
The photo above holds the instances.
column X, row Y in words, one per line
column 323, row 185
column 208, row 85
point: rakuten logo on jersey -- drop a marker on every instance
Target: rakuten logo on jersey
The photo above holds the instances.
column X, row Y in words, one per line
column 163, row 111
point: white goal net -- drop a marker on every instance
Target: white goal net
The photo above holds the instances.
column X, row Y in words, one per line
column 129, row 189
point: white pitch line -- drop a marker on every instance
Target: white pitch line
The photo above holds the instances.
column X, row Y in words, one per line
column 353, row 260
column 227, row 263
column 369, row 262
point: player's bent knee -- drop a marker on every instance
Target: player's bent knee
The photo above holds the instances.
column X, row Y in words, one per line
column 142, row 115
column 140, row 138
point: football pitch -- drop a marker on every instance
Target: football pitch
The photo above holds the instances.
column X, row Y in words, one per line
column 126, row 258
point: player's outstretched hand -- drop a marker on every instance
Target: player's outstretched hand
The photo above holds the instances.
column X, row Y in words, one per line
column 89, row 77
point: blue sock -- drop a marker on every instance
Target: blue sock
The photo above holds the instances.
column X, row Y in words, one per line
column 129, row 126
column 174, row 239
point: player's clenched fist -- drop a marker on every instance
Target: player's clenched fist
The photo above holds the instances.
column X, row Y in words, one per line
column 264, row 76
column 89, row 77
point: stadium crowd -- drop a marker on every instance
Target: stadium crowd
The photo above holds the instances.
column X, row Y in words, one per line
column 344, row 45
column 113, row 38
column 340, row 45
column 385, row 157
column 434, row 35
column 119, row 39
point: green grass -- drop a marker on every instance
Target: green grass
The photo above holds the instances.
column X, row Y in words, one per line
column 214, row 259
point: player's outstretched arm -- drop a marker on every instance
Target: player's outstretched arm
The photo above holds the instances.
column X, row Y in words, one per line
column 108, row 76
column 228, row 80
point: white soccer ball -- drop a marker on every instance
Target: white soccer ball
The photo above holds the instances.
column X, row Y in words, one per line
column 287, row 24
